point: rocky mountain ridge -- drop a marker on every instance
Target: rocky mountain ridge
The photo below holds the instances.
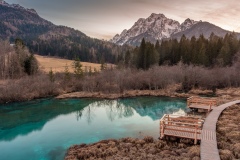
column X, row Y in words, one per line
column 159, row 27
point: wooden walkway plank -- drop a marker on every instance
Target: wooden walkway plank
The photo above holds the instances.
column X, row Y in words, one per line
column 208, row 147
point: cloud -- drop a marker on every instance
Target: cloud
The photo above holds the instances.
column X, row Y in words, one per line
column 108, row 17
column 226, row 16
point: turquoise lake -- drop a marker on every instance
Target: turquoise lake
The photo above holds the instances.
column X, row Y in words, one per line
column 44, row 129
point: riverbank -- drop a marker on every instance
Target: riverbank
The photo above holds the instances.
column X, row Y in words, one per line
column 130, row 148
column 223, row 95
column 170, row 148
column 228, row 139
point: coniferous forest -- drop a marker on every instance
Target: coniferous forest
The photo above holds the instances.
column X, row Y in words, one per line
column 190, row 63
column 215, row 51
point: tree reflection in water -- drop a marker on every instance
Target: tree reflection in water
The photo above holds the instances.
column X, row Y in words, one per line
column 153, row 107
column 114, row 109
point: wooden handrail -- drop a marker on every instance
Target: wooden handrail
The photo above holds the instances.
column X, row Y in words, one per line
column 201, row 99
column 163, row 117
column 195, row 131
column 185, row 119
column 181, row 124
column 207, row 102
column 181, row 119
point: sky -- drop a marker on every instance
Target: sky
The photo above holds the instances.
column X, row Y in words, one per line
column 105, row 18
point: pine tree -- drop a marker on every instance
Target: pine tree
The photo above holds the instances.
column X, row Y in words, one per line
column 127, row 58
column 193, row 50
column 146, row 55
column 77, row 66
column 163, row 52
column 212, row 50
column 141, row 62
column 233, row 43
column 30, row 65
column 224, row 57
column 157, row 46
column 66, row 73
column 151, row 55
column 103, row 64
column 184, row 49
column 51, row 76
column 175, row 55
column 203, row 60
column 90, row 71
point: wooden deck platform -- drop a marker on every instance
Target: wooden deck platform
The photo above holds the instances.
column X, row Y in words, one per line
column 203, row 103
column 197, row 129
column 181, row 126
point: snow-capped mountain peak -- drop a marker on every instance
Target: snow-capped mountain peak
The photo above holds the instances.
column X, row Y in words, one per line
column 155, row 27
column 187, row 24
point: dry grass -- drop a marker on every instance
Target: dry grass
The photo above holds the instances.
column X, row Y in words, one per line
column 58, row 65
column 228, row 133
column 130, row 148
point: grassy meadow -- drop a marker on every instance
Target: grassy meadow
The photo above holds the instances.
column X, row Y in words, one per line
column 59, row 65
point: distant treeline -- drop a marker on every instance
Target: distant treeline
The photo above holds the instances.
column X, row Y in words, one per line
column 215, row 51
column 72, row 47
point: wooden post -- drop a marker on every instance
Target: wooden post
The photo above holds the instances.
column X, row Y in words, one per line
column 195, row 138
column 161, row 129
column 168, row 119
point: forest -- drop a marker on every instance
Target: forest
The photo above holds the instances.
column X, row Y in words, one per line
column 205, row 64
column 212, row 52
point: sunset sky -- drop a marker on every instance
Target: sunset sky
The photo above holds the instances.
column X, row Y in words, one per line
column 105, row 18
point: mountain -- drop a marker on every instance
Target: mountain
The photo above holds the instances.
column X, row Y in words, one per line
column 159, row 27
column 155, row 27
column 45, row 38
column 204, row 28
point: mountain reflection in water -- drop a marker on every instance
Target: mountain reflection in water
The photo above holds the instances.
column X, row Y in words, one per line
column 47, row 127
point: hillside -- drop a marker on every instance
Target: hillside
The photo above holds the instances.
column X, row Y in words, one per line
column 204, row 28
column 45, row 38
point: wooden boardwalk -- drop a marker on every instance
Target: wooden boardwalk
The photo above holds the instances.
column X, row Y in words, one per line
column 208, row 147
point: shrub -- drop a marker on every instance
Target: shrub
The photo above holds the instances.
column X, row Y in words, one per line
column 236, row 150
column 225, row 155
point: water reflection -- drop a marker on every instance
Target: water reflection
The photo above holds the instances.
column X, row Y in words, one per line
column 56, row 153
column 24, row 118
column 62, row 123
column 153, row 107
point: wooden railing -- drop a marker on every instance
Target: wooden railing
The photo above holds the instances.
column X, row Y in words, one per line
column 206, row 103
column 181, row 125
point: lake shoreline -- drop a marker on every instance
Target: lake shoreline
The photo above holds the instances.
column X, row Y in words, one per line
column 145, row 148
column 134, row 148
column 222, row 95
column 168, row 148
